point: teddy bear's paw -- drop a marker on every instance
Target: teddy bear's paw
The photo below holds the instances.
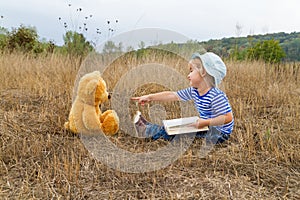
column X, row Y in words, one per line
column 110, row 129
column 110, row 124
column 105, row 114
column 67, row 125
column 70, row 127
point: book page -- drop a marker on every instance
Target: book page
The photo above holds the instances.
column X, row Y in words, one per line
column 182, row 125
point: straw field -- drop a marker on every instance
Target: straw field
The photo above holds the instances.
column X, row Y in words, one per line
column 40, row 160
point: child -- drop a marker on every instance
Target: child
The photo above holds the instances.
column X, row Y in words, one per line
column 206, row 73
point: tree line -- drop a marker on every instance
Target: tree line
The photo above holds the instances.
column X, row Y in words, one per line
column 26, row 40
column 284, row 46
column 272, row 48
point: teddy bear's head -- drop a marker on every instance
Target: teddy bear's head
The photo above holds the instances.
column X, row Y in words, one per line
column 101, row 94
column 92, row 89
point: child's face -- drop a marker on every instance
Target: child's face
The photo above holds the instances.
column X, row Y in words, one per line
column 194, row 76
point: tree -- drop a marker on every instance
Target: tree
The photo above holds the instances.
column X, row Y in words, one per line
column 111, row 47
column 142, row 45
column 292, row 49
column 23, row 39
column 270, row 51
column 76, row 44
column 3, row 38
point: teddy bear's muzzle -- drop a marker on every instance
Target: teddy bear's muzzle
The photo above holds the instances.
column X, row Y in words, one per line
column 109, row 95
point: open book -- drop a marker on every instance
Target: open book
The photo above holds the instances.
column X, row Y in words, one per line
column 182, row 125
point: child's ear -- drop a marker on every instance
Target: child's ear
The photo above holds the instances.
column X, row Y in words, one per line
column 202, row 71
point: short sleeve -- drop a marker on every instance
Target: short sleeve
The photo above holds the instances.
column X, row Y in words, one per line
column 185, row 94
column 220, row 105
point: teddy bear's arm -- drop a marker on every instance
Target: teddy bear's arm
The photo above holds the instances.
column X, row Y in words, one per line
column 90, row 118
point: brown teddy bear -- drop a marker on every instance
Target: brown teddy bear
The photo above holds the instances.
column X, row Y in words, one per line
column 85, row 116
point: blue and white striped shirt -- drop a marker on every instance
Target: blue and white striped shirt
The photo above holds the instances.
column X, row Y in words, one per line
column 210, row 105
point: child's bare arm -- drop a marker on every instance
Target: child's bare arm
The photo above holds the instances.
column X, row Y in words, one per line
column 220, row 120
column 161, row 96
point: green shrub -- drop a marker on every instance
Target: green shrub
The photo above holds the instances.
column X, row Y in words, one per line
column 23, row 39
column 269, row 51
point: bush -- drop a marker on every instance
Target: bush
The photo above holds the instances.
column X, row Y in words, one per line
column 269, row 51
column 23, row 39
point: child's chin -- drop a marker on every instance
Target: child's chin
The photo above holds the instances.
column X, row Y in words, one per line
column 193, row 86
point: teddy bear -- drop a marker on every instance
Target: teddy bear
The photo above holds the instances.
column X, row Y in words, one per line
column 85, row 115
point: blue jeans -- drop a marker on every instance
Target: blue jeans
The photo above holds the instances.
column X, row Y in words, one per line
column 212, row 135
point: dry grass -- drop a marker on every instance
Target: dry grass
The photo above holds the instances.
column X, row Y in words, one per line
column 40, row 160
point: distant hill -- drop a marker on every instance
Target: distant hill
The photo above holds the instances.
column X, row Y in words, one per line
column 290, row 43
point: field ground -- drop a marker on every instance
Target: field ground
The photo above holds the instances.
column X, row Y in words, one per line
column 40, row 160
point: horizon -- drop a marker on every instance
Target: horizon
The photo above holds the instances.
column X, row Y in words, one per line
column 197, row 20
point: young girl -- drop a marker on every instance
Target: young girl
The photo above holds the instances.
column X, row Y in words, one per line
column 206, row 73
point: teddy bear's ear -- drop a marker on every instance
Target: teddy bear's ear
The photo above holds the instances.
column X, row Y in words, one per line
column 91, row 86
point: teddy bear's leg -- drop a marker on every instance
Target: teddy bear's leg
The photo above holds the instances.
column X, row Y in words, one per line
column 67, row 125
column 110, row 122
column 104, row 115
column 70, row 124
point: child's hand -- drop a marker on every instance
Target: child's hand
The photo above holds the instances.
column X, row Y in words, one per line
column 141, row 100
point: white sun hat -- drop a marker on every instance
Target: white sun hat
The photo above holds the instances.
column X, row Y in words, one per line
column 213, row 65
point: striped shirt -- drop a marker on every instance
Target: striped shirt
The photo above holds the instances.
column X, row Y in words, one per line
column 210, row 105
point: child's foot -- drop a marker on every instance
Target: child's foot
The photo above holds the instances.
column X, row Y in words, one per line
column 140, row 124
column 147, row 129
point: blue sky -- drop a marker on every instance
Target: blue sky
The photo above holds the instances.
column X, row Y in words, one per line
column 196, row 19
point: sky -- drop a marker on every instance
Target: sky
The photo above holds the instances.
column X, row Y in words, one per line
column 195, row 19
